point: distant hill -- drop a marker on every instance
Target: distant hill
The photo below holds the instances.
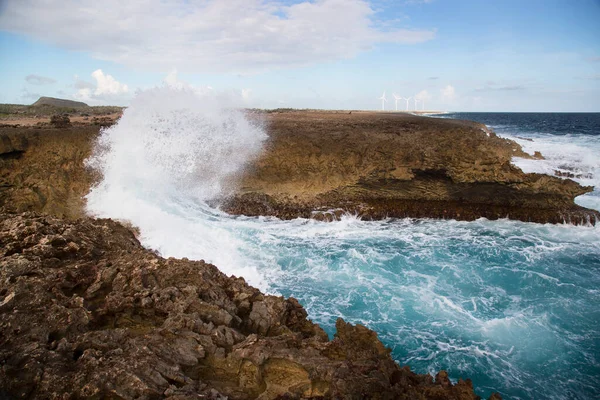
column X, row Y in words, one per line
column 51, row 101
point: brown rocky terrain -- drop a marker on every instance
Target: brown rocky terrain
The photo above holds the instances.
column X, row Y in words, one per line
column 376, row 165
column 86, row 312
column 397, row 165
column 43, row 169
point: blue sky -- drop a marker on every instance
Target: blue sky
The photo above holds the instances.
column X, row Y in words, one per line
column 338, row 54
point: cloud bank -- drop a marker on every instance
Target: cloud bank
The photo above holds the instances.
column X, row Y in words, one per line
column 206, row 35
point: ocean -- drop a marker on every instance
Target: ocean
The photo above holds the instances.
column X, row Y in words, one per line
column 511, row 305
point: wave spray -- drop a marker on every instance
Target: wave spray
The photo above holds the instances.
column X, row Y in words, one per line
column 171, row 151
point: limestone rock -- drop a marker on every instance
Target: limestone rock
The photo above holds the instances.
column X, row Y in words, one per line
column 86, row 312
column 380, row 165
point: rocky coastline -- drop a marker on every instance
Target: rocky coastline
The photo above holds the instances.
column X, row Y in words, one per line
column 87, row 312
column 391, row 165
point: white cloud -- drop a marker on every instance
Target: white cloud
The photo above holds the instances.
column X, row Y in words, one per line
column 107, row 85
column 84, row 94
column 106, row 90
column 207, row 35
column 423, row 95
column 448, row 94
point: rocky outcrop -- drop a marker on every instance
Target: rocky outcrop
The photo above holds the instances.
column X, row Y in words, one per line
column 319, row 165
column 43, row 169
column 12, row 147
column 86, row 312
column 60, row 121
column 397, row 165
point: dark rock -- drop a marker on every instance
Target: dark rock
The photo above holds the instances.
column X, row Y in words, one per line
column 60, row 121
column 103, row 121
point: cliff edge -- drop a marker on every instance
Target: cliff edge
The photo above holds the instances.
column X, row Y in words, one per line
column 380, row 165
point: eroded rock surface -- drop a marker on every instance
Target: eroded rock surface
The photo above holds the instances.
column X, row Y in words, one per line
column 86, row 312
column 376, row 165
column 43, row 169
column 382, row 165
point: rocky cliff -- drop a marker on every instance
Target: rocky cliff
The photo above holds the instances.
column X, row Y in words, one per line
column 43, row 169
column 86, row 312
column 397, row 165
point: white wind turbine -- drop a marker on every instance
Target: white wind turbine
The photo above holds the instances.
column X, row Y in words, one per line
column 396, row 97
column 407, row 100
column 383, row 100
column 416, row 100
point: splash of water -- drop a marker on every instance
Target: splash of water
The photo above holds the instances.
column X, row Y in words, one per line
column 175, row 141
column 172, row 150
column 574, row 157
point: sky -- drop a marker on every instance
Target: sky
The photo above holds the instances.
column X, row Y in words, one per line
column 452, row 55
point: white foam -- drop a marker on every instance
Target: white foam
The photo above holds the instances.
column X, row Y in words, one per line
column 574, row 156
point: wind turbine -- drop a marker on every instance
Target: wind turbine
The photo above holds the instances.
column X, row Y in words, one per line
column 416, row 103
column 383, row 100
column 396, row 97
column 407, row 100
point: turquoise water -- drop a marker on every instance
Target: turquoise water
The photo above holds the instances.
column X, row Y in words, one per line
column 511, row 305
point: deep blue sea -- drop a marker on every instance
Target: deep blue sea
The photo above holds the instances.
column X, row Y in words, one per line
column 514, row 306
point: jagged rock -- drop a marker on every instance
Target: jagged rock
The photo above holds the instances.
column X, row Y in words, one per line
column 60, row 121
column 43, row 169
column 86, row 312
column 12, row 147
column 103, row 121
